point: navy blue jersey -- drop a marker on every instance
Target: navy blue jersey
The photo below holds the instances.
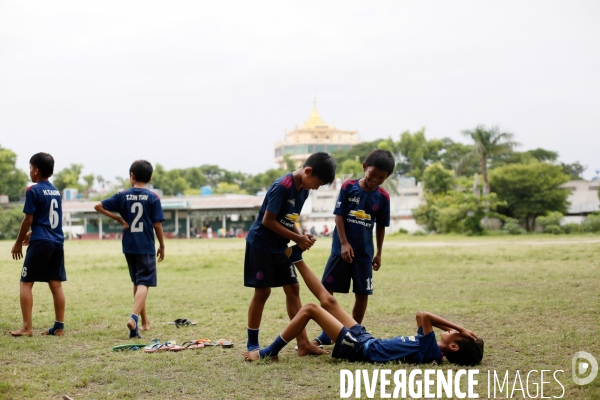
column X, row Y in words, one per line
column 361, row 210
column 43, row 201
column 141, row 209
column 419, row 349
column 285, row 202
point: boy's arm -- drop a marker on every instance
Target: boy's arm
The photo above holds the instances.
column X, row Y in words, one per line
column 100, row 208
column 17, row 250
column 428, row 321
column 160, row 253
column 379, row 236
column 347, row 250
column 269, row 221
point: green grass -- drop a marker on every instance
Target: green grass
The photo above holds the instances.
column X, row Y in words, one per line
column 533, row 299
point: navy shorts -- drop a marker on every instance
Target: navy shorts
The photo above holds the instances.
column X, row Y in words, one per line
column 338, row 273
column 262, row 269
column 142, row 269
column 350, row 342
column 44, row 261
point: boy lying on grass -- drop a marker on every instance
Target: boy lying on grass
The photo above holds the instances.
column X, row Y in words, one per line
column 353, row 343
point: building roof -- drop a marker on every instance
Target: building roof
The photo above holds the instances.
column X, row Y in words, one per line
column 189, row 203
column 315, row 120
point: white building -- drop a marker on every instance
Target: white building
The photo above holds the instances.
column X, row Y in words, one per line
column 318, row 208
column 583, row 200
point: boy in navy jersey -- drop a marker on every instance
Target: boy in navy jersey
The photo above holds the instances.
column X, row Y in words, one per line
column 353, row 343
column 265, row 264
column 44, row 261
column 360, row 204
column 141, row 215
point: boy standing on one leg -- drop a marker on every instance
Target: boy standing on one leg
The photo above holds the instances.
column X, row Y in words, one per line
column 141, row 215
column 360, row 204
column 44, row 261
column 265, row 264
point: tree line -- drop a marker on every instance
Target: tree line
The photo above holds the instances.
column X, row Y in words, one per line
column 464, row 183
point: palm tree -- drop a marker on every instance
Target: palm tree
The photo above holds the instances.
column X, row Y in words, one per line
column 487, row 143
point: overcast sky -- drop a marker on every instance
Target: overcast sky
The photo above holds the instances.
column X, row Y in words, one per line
column 186, row 83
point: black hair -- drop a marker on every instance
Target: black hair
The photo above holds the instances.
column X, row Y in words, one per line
column 44, row 162
column 381, row 159
column 323, row 166
column 470, row 352
column 142, row 170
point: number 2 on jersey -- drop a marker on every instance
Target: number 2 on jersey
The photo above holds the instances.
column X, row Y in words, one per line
column 137, row 225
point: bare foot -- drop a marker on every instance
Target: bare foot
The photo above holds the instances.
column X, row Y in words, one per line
column 57, row 332
column 311, row 350
column 131, row 324
column 22, row 332
column 146, row 327
column 254, row 356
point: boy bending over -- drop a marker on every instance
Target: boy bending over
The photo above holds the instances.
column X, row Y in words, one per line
column 354, row 343
column 265, row 263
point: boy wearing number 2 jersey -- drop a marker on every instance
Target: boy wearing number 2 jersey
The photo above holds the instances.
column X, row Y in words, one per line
column 141, row 215
column 44, row 260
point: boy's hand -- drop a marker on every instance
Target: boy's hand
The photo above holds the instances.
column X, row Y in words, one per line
column 123, row 223
column 26, row 240
column 305, row 242
column 377, row 262
column 347, row 252
column 17, row 251
column 160, row 253
column 468, row 334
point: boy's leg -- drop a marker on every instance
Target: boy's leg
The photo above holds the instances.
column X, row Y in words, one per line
column 293, row 305
column 59, row 309
column 255, row 311
column 141, row 293
column 360, row 307
column 296, row 327
column 328, row 302
column 26, row 298
column 142, row 314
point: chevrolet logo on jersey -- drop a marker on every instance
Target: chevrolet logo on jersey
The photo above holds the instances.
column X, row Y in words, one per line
column 360, row 214
column 292, row 217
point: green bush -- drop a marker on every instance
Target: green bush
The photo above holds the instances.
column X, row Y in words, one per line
column 419, row 233
column 552, row 218
column 591, row 224
column 572, row 228
column 512, row 226
column 402, row 231
column 553, row 229
column 10, row 222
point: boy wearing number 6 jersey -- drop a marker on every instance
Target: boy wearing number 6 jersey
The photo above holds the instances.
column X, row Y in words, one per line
column 44, row 261
column 141, row 215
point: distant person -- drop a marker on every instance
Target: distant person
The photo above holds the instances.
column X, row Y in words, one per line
column 44, row 260
column 140, row 214
column 353, row 343
column 209, row 232
column 361, row 204
column 326, row 231
column 265, row 264
column 313, row 231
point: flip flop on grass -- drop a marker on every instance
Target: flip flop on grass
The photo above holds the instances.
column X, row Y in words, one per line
column 179, row 322
column 193, row 344
column 160, row 347
column 225, row 343
column 131, row 346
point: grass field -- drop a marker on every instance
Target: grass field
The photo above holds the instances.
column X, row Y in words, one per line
column 534, row 300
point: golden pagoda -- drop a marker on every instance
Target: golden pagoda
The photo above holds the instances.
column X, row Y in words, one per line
column 314, row 136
